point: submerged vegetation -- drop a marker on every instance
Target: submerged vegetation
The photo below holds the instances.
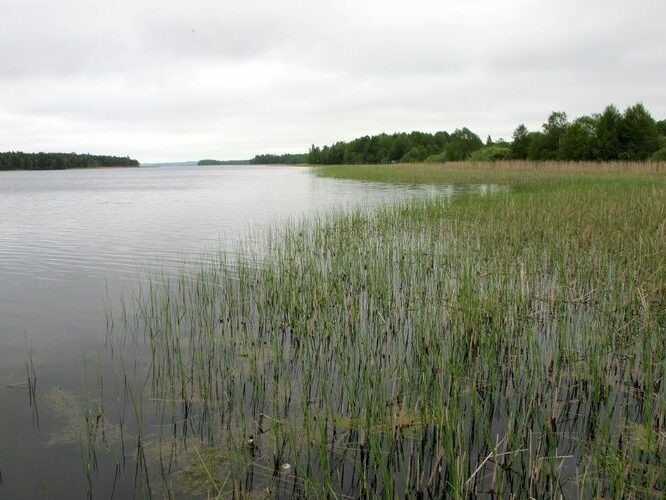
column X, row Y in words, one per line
column 512, row 344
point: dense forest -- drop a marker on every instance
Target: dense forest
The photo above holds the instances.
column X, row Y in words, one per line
column 266, row 159
column 285, row 159
column 61, row 161
column 633, row 136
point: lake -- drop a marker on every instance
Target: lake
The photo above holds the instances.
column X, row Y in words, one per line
column 73, row 240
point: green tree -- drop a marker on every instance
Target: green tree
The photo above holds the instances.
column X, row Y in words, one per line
column 400, row 146
column 553, row 131
column 314, row 155
column 440, row 140
column 661, row 125
column 608, row 134
column 520, row 143
column 462, row 143
column 536, row 149
column 579, row 141
column 639, row 134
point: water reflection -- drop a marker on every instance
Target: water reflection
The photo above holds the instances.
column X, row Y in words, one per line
column 70, row 239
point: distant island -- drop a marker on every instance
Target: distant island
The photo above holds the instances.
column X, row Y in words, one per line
column 61, row 161
column 203, row 163
column 171, row 164
column 266, row 159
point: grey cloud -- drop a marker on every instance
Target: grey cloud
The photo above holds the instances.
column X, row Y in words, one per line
column 180, row 80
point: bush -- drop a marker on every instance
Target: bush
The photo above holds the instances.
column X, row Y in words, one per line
column 658, row 155
column 496, row 152
column 438, row 158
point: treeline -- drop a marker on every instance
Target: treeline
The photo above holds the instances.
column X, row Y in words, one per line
column 388, row 148
column 285, row 159
column 61, row 161
column 203, row 163
column 632, row 136
column 267, row 159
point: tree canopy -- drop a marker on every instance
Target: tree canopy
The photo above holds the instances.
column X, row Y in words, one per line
column 284, row 159
column 265, row 159
column 60, row 161
column 633, row 135
column 400, row 147
column 607, row 136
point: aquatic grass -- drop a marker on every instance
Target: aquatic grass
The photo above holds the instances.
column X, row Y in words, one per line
column 31, row 381
column 517, row 174
column 510, row 344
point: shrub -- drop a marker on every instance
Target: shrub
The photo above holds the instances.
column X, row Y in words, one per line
column 496, row 152
column 658, row 155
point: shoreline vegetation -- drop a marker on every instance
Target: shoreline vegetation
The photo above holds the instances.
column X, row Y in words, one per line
column 265, row 159
column 61, row 161
column 519, row 175
column 608, row 136
column 208, row 162
column 507, row 344
column 633, row 135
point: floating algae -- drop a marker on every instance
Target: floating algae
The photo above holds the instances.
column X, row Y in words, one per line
column 90, row 422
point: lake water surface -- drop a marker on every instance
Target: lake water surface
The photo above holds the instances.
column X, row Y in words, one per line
column 71, row 239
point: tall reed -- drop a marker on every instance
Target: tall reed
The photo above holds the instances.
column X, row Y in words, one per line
column 511, row 344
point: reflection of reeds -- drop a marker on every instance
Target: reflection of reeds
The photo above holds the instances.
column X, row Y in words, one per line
column 31, row 376
column 510, row 344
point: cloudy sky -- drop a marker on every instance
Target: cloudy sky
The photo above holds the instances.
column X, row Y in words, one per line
column 181, row 80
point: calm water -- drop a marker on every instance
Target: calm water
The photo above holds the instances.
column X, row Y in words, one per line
column 68, row 236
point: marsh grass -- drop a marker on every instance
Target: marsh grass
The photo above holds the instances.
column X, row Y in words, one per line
column 518, row 174
column 511, row 344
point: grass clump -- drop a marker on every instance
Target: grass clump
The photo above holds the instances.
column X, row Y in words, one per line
column 511, row 344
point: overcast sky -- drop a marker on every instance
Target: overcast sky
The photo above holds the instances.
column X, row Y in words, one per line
column 228, row 79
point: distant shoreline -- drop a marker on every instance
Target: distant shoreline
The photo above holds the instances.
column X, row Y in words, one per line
column 18, row 160
column 97, row 167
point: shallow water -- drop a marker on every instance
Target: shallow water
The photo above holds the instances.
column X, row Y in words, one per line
column 69, row 240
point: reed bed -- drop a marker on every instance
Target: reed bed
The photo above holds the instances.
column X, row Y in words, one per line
column 511, row 344
column 518, row 174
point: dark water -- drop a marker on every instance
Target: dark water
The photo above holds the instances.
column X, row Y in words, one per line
column 70, row 240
